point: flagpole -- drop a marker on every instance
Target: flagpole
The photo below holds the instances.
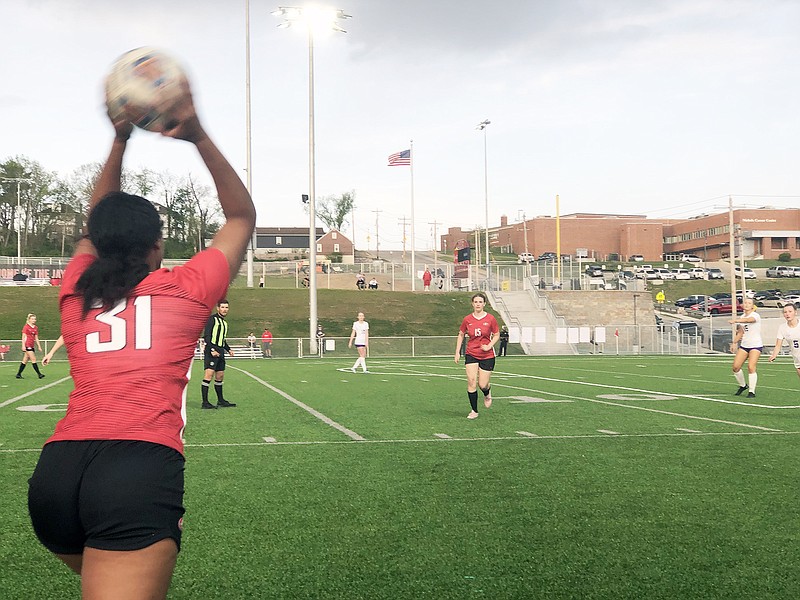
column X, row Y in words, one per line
column 413, row 239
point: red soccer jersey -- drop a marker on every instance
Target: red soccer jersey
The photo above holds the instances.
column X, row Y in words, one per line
column 131, row 364
column 479, row 331
column 30, row 332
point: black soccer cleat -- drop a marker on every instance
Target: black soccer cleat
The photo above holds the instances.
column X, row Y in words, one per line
column 207, row 405
column 751, row 394
column 41, row 375
column 225, row 404
column 18, row 376
column 741, row 390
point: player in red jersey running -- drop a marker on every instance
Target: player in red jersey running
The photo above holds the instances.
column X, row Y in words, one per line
column 107, row 493
column 482, row 330
column 30, row 338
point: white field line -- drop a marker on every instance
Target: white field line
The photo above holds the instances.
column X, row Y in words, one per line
column 32, row 392
column 633, row 407
column 328, row 421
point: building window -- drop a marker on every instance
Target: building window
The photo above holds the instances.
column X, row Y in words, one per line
column 278, row 241
column 336, row 247
column 779, row 243
column 333, row 236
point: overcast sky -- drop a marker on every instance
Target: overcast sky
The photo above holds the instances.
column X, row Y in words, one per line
column 661, row 108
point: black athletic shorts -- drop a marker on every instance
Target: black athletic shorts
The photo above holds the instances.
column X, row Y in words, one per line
column 484, row 364
column 214, row 362
column 30, row 349
column 106, row 494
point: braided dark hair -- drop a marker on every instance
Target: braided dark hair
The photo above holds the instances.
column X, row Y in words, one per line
column 123, row 228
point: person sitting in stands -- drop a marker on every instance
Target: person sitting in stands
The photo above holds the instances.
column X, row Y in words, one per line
column 373, row 284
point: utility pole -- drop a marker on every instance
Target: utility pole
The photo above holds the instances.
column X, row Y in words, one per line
column 435, row 245
column 377, row 234
column 404, row 221
column 17, row 215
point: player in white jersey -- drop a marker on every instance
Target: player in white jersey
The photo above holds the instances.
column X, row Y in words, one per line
column 360, row 334
column 789, row 331
column 747, row 345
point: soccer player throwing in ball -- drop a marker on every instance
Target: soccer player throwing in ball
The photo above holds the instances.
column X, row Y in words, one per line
column 106, row 496
column 482, row 330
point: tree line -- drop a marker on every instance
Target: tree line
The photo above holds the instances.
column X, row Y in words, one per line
column 50, row 210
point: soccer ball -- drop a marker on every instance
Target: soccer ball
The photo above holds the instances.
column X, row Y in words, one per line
column 141, row 85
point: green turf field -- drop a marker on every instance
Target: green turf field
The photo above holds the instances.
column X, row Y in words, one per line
column 590, row 477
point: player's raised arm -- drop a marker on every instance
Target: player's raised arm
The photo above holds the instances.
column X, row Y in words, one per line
column 240, row 214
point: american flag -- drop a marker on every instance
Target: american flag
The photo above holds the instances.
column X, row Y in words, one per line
column 400, row 158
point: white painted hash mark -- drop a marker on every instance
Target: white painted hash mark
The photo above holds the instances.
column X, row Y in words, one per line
column 608, row 431
column 442, row 436
column 526, row 433
column 270, row 440
column 687, row 430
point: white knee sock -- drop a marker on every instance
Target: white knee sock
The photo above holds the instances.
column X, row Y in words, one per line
column 739, row 378
column 753, row 380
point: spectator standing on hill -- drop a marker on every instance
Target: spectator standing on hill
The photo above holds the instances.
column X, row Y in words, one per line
column 30, row 339
column 426, row 280
column 483, row 332
column 503, row 351
column 106, row 496
column 266, row 343
column 747, row 345
column 216, row 338
column 789, row 331
column 360, row 334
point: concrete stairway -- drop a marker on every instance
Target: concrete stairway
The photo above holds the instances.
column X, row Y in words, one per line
column 519, row 309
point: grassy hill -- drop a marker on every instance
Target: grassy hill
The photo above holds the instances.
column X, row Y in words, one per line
column 284, row 311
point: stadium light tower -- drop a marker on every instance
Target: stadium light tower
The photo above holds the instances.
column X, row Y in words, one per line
column 314, row 19
column 19, row 180
column 482, row 127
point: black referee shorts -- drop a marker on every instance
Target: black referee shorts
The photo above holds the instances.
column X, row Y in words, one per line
column 214, row 362
column 106, row 494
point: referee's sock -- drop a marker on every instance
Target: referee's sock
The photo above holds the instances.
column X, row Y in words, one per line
column 218, row 389
column 204, row 390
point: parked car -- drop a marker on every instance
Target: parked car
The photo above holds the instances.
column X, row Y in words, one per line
column 690, row 258
column 687, row 329
column 627, row 275
column 697, row 273
column 690, row 301
column 721, row 306
column 770, row 301
column 793, row 272
column 638, row 268
column 714, row 273
column 648, row 274
column 779, row 271
column 764, row 293
column 748, row 272
column 637, row 258
column 594, row 270
column 665, row 274
column 525, row 257
column 681, row 274
column 790, row 299
column 547, row 256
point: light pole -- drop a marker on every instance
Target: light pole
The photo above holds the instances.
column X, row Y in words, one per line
column 19, row 180
column 249, row 143
column 313, row 18
column 482, row 127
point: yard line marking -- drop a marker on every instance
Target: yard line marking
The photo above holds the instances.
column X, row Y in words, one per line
column 630, row 389
column 687, row 430
column 442, row 436
column 270, row 440
column 479, row 439
column 608, row 431
column 634, row 407
column 32, row 392
column 327, row 420
column 527, row 434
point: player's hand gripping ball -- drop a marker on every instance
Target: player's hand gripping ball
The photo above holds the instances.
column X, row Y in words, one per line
column 142, row 86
